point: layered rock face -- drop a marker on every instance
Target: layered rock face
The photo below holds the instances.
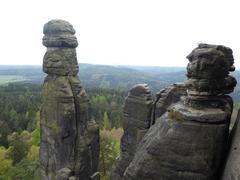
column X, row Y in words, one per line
column 69, row 138
column 208, row 71
column 189, row 123
column 136, row 122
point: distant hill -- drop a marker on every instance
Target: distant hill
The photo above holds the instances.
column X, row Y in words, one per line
column 156, row 70
column 125, row 77
column 104, row 76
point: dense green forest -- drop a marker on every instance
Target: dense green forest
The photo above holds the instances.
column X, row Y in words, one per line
column 19, row 131
column 20, row 134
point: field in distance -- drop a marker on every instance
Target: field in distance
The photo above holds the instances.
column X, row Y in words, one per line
column 5, row 79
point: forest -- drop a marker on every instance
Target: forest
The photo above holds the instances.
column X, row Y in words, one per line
column 20, row 134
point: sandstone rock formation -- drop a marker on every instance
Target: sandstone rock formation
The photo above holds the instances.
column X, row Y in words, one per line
column 166, row 98
column 189, row 123
column 136, row 122
column 208, row 71
column 69, row 138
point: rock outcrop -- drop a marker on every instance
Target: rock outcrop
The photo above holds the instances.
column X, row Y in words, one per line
column 166, row 98
column 136, row 122
column 69, row 138
column 189, row 123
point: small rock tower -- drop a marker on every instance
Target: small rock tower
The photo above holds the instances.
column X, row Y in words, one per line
column 69, row 138
column 136, row 122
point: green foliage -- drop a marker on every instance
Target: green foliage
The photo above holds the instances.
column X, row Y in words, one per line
column 7, row 171
column 35, row 139
column 109, row 150
column 106, row 122
column 2, row 153
column 19, row 106
column 27, row 170
column 109, row 101
column 33, row 153
column 4, row 132
column 20, row 160
column 19, row 146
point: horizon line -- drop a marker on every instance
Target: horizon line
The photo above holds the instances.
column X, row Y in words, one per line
column 106, row 65
column 97, row 65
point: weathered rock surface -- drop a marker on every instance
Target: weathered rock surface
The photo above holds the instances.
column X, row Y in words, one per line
column 59, row 33
column 69, row 138
column 208, row 71
column 188, row 136
column 175, row 149
column 166, row 98
column 232, row 167
column 136, row 122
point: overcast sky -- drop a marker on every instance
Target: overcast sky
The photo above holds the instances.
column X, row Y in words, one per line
column 130, row 32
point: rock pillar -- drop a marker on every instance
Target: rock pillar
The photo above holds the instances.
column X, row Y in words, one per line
column 69, row 138
column 136, row 122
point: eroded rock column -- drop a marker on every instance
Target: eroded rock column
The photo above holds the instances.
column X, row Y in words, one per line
column 136, row 122
column 189, row 140
column 69, row 138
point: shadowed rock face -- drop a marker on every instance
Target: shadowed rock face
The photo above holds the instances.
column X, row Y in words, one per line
column 69, row 138
column 189, row 123
column 232, row 167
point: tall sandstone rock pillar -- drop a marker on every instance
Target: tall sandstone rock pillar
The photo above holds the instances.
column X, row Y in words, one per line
column 69, row 138
column 188, row 141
